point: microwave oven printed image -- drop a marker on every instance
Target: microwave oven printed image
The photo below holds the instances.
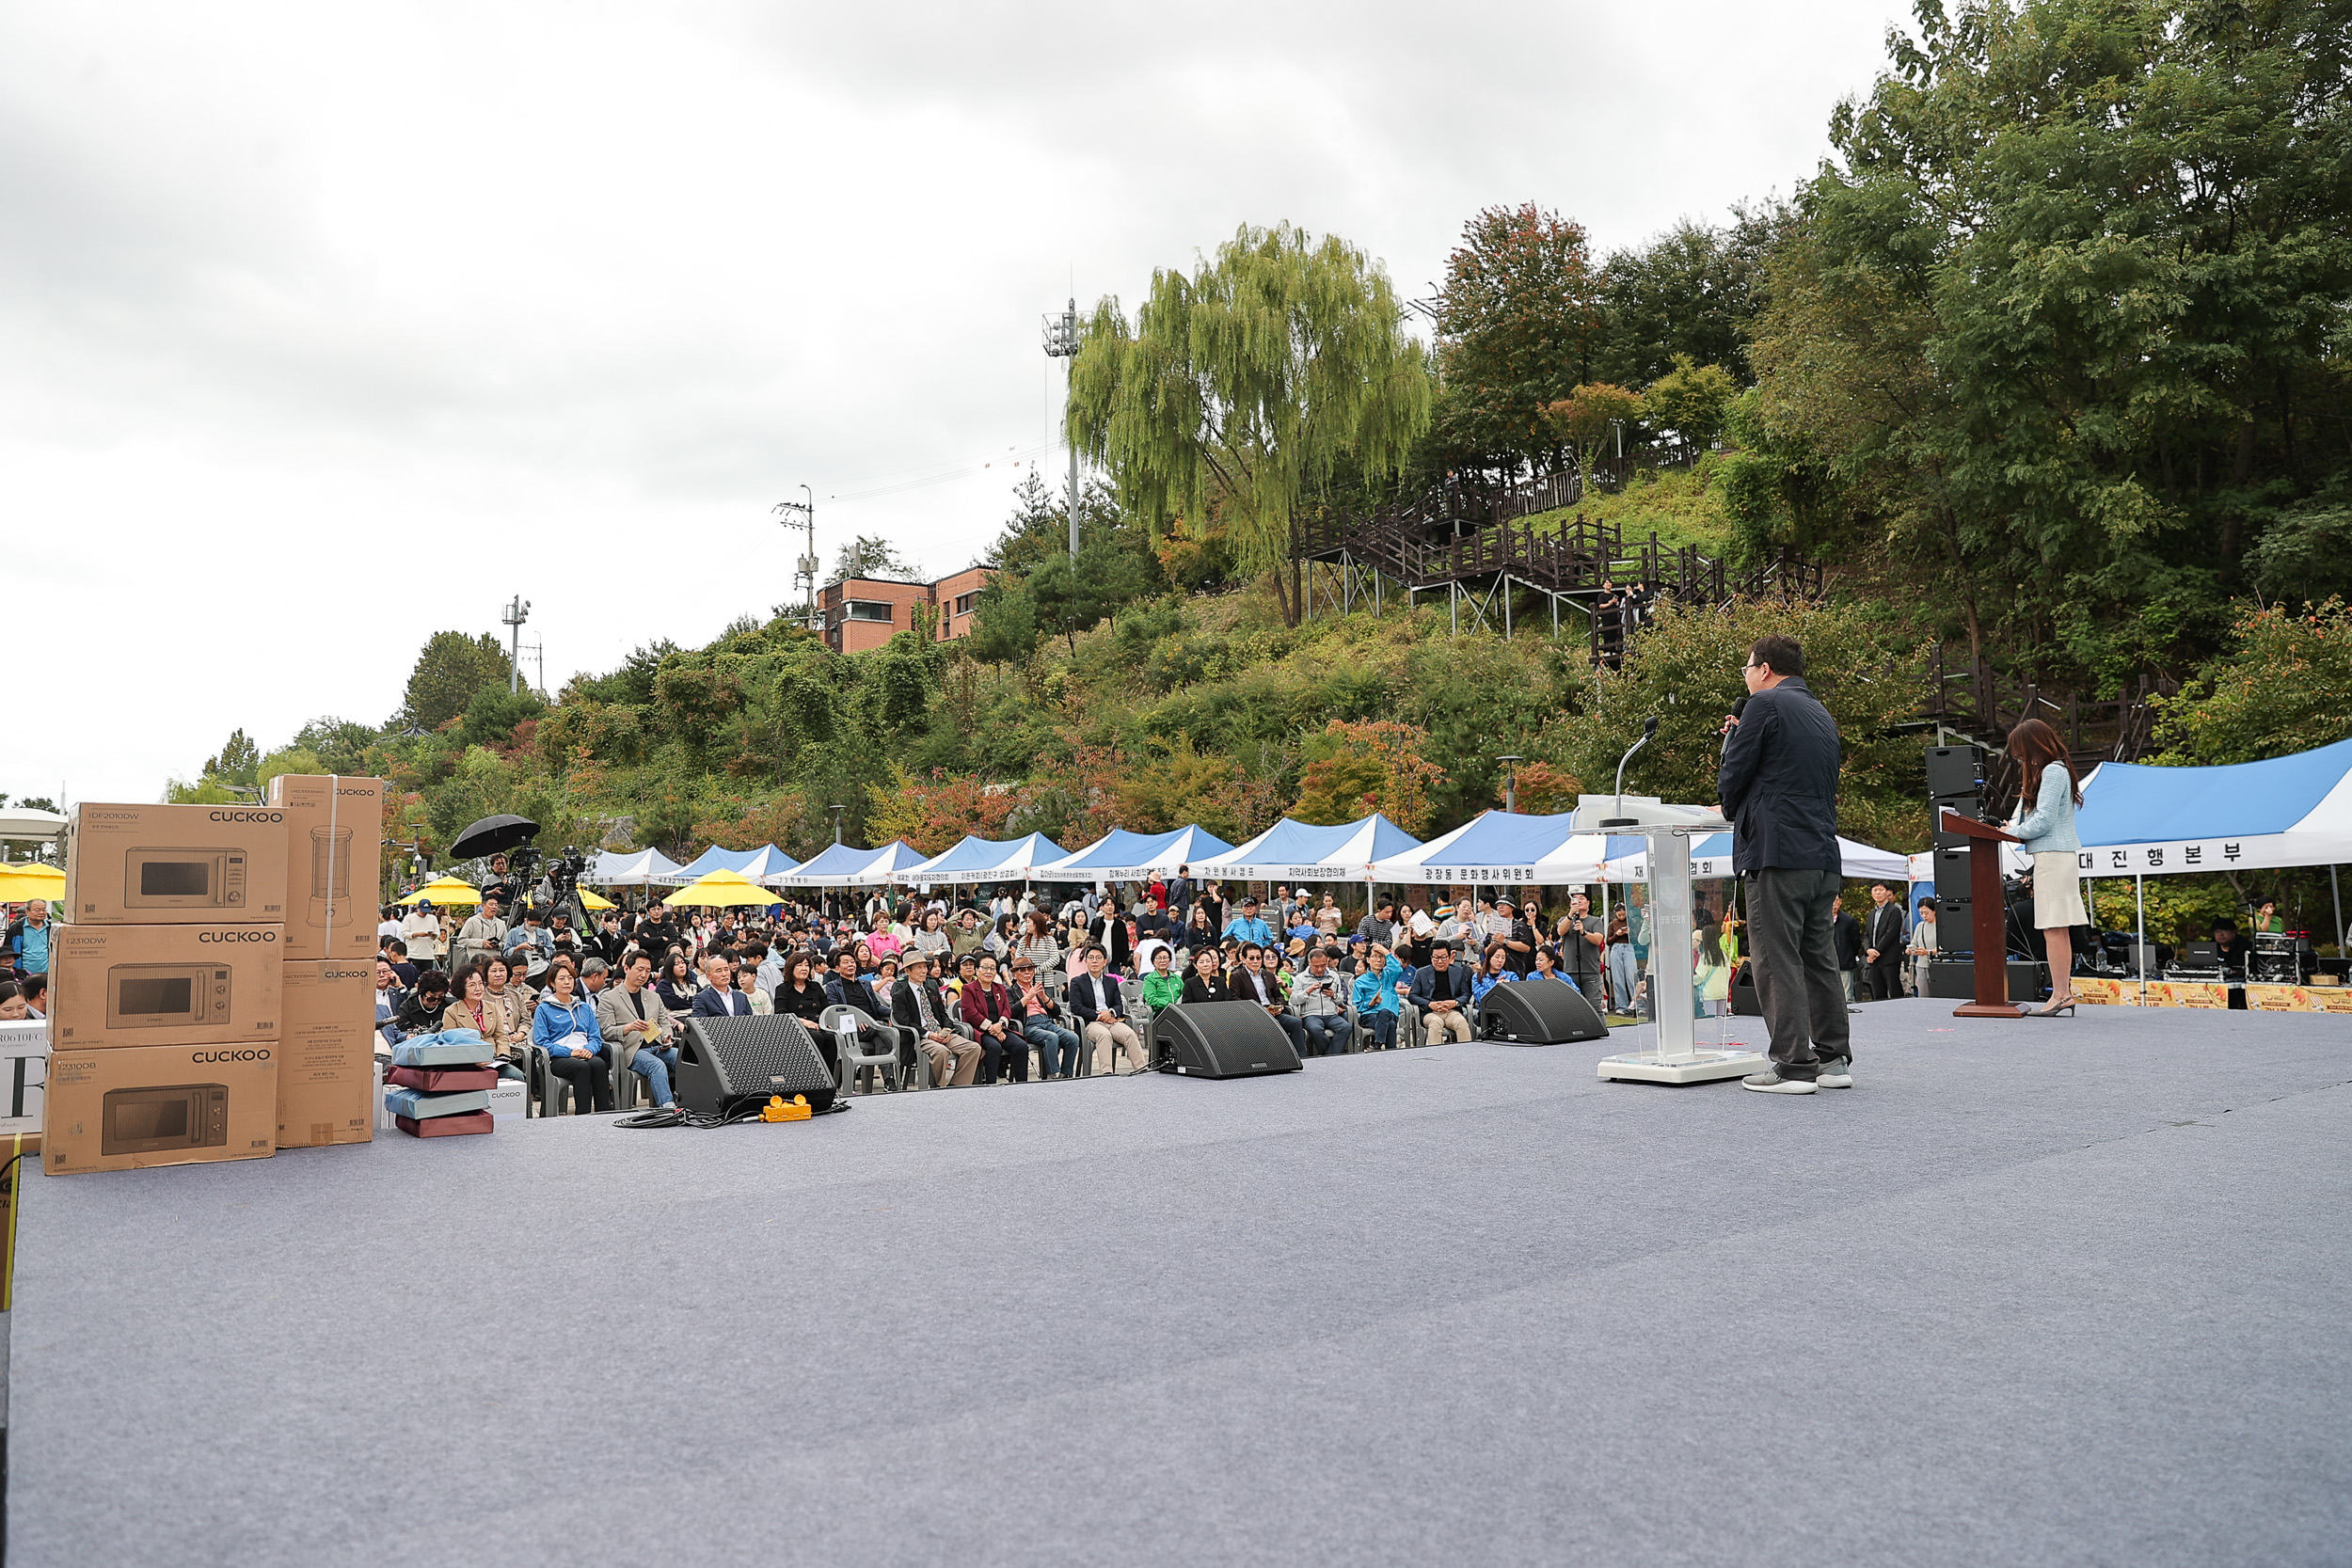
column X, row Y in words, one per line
column 148, row 996
column 330, row 874
column 185, row 880
column 166, row 1118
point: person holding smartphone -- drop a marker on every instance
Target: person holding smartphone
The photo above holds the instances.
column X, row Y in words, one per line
column 1321, row 1015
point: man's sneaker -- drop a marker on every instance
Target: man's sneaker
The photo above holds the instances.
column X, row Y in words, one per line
column 1770, row 1081
column 1837, row 1073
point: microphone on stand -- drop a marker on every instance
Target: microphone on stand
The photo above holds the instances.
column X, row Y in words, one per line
column 1621, row 819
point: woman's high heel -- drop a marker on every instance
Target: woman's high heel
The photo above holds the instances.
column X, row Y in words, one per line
column 2053, row 1009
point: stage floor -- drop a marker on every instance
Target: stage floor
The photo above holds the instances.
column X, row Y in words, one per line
column 2063, row 1292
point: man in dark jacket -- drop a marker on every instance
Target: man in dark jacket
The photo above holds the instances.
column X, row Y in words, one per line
column 1883, row 946
column 1778, row 785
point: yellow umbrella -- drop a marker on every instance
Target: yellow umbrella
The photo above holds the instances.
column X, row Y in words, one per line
column 590, row 901
column 445, row 890
column 26, row 881
column 725, row 889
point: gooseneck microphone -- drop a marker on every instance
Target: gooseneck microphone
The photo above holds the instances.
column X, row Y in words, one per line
column 1621, row 819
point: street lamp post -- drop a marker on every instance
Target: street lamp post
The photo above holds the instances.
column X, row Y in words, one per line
column 836, row 821
column 1061, row 343
column 1510, row 782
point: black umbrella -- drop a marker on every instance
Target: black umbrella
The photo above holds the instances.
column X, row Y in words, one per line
column 493, row 835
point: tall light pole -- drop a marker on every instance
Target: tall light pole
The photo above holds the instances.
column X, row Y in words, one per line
column 512, row 617
column 1061, row 343
column 803, row 515
column 836, row 821
column 1510, row 782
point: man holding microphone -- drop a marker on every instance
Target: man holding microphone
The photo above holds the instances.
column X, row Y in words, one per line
column 1778, row 785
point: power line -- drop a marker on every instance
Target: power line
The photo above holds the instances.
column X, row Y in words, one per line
column 921, row 480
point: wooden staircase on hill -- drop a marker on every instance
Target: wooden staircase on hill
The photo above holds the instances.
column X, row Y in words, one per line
column 1470, row 546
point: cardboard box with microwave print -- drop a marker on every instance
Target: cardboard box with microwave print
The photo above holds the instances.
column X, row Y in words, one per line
column 175, row 865
column 159, row 1105
column 116, row 986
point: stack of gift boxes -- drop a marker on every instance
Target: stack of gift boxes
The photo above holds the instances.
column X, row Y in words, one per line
column 213, row 986
column 439, row 1084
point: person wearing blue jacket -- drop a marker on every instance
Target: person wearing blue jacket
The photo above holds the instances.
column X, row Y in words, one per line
column 1246, row 928
column 565, row 1028
column 2047, row 829
column 1374, row 995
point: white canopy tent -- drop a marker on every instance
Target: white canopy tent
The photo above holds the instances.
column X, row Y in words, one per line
column 630, row 868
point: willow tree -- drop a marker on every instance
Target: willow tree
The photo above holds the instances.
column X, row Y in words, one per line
column 1243, row 386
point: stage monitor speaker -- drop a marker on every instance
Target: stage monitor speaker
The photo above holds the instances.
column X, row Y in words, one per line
column 1743, row 998
column 1955, row 979
column 1224, row 1039
column 725, row 1063
column 1536, row 1011
column 1955, row 771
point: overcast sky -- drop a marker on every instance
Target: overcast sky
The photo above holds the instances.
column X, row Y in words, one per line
column 325, row 327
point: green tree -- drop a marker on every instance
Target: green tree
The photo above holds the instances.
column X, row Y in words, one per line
column 2284, row 686
column 1004, row 622
column 1695, row 290
column 1588, row 417
column 1248, row 381
column 1690, row 400
column 872, row 556
column 2067, row 310
column 450, row 670
column 1517, row 319
column 237, row 760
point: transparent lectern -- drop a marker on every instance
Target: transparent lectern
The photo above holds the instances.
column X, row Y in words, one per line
column 1675, row 1056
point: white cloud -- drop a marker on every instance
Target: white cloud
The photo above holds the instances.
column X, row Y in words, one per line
column 323, row 328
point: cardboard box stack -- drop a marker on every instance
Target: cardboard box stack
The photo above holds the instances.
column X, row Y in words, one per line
column 205, row 1003
column 439, row 1085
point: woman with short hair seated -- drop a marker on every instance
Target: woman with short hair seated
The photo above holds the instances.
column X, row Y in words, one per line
column 565, row 1028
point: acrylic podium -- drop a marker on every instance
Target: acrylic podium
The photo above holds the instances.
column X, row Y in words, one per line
column 1676, row 1057
column 1989, row 915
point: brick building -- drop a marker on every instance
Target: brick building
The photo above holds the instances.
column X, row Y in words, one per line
column 863, row 612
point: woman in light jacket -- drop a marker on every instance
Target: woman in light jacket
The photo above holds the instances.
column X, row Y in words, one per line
column 2045, row 821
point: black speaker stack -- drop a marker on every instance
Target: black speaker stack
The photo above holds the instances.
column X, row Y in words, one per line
column 1955, row 781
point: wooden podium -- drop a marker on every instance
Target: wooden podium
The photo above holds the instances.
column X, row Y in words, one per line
column 1990, row 916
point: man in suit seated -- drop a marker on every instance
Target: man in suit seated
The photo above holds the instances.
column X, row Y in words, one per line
column 1255, row 983
column 720, row 999
column 917, row 1004
column 1094, row 1000
column 1442, row 994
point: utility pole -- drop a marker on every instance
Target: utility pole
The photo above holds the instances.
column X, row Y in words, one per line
column 803, row 515
column 1061, row 343
column 513, row 616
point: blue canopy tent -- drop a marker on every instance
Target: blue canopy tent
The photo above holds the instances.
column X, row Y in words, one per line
column 1302, row 853
column 710, row 860
column 2249, row 815
column 1493, row 847
column 1120, row 856
column 988, row 860
column 836, row 866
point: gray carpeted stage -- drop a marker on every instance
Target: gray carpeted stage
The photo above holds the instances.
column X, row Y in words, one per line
column 2074, row 1292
